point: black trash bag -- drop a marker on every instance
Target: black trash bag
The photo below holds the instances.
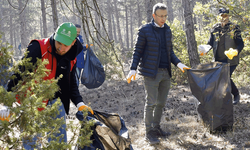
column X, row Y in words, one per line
column 109, row 132
column 93, row 74
column 210, row 84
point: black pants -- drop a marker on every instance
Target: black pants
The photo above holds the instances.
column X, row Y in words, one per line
column 234, row 89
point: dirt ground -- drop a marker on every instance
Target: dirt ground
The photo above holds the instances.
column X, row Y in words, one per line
column 179, row 117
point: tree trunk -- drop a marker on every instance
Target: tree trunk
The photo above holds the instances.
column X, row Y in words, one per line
column 127, row 32
column 170, row 11
column 114, row 28
column 118, row 24
column 190, row 36
column 73, row 9
column 44, row 20
column 22, row 20
column 131, row 25
column 11, row 31
column 109, row 11
column 98, row 27
column 149, row 9
column 139, row 14
column 1, row 27
column 54, row 14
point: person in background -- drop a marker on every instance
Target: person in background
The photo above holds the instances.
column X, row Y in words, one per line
column 61, row 50
column 80, row 56
column 153, row 52
column 19, row 48
column 226, row 41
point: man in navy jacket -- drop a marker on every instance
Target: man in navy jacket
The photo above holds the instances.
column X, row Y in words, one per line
column 154, row 54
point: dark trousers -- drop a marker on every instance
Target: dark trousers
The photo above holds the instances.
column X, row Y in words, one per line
column 234, row 89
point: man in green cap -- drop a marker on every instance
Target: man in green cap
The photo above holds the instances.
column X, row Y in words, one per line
column 61, row 50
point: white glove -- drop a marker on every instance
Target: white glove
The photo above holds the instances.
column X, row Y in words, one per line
column 4, row 113
column 203, row 49
column 132, row 73
column 182, row 67
column 81, row 106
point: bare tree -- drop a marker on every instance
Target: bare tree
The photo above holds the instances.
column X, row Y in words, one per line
column 149, row 9
column 11, row 30
column 131, row 24
column 73, row 9
column 190, row 36
column 109, row 12
column 127, row 32
column 118, row 24
column 139, row 15
column 114, row 28
column 22, row 20
column 44, row 19
column 54, row 14
column 170, row 11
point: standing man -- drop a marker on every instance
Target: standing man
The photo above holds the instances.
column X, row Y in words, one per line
column 61, row 50
column 80, row 56
column 154, row 54
column 226, row 35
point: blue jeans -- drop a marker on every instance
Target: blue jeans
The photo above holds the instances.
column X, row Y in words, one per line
column 156, row 90
column 29, row 145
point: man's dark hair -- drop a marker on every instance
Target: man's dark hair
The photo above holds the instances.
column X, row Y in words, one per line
column 159, row 6
column 78, row 26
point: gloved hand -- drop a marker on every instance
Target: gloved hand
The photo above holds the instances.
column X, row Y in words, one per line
column 81, row 106
column 4, row 113
column 88, row 45
column 203, row 49
column 182, row 67
column 132, row 73
column 231, row 53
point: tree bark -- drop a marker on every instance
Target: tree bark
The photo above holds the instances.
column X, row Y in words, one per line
column 11, row 30
column 139, row 14
column 109, row 16
column 170, row 11
column 190, row 36
column 118, row 24
column 54, row 14
column 44, row 20
column 114, row 29
column 98, row 27
column 149, row 9
column 73, row 9
column 127, row 32
column 131, row 25
column 22, row 20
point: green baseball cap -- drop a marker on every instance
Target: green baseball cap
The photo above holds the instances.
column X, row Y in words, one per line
column 66, row 33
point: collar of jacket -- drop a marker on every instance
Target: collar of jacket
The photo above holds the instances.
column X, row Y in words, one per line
column 155, row 27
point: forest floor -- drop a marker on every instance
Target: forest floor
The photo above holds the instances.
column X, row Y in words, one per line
column 180, row 117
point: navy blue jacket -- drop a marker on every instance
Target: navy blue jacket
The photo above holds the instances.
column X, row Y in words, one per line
column 147, row 50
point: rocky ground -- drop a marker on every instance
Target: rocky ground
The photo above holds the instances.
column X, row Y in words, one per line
column 179, row 117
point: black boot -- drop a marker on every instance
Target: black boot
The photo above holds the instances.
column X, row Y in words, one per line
column 152, row 138
column 236, row 99
column 160, row 132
